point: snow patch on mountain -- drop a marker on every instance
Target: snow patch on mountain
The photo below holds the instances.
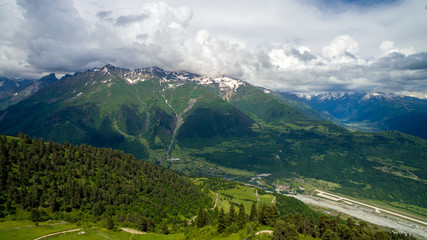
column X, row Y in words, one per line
column 133, row 77
column 376, row 95
column 175, row 85
column 364, row 96
column 174, row 79
column 226, row 83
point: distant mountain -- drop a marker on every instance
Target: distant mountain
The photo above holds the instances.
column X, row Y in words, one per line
column 220, row 126
column 15, row 90
column 117, row 107
column 372, row 111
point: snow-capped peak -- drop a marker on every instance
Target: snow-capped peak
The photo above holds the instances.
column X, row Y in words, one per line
column 362, row 96
column 377, row 95
column 225, row 84
column 228, row 83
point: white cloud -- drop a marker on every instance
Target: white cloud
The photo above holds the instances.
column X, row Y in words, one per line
column 387, row 47
column 281, row 44
column 209, row 55
column 342, row 50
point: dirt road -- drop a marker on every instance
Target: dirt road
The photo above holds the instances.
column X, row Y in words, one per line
column 130, row 230
column 216, row 201
column 57, row 233
column 264, row 231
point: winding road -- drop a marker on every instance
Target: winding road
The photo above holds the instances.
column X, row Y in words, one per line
column 216, row 201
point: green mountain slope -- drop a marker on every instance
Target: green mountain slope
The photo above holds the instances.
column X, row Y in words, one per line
column 83, row 182
column 219, row 126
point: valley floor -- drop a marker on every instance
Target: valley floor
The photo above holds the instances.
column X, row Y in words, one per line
column 365, row 214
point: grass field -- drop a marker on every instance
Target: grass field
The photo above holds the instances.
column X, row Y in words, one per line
column 241, row 194
column 25, row 229
column 98, row 233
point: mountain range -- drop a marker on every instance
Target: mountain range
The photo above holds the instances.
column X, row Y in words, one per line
column 370, row 111
column 14, row 90
column 199, row 125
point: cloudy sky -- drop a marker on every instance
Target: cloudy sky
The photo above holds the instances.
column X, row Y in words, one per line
column 303, row 46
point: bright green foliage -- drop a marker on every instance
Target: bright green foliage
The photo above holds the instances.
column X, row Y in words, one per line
column 64, row 179
column 285, row 231
column 25, row 229
column 290, row 205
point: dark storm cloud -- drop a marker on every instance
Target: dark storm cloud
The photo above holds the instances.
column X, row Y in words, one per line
column 305, row 56
column 399, row 61
column 103, row 14
column 125, row 20
column 52, row 19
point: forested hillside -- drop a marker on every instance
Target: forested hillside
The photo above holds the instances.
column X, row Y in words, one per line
column 83, row 183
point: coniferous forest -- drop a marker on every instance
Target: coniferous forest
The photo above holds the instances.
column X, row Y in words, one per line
column 84, row 183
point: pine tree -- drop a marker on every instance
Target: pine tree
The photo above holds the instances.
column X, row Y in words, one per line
column 253, row 215
column 351, row 223
column 110, row 223
column 241, row 218
column 232, row 215
column 215, row 216
column 329, row 235
column 202, row 218
column 311, row 226
column 35, row 215
column 268, row 215
column 285, row 231
column 222, row 223
column 324, row 224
